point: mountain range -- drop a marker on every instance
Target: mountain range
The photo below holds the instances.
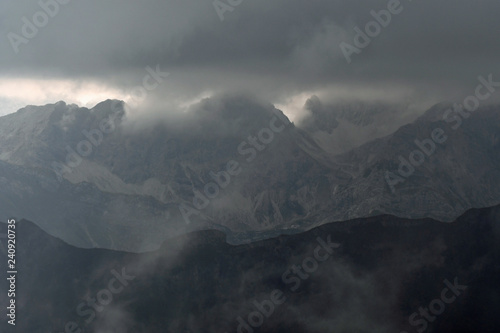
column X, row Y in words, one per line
column 98, row 178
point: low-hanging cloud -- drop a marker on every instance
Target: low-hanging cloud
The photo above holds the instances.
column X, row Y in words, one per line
column 273, row 50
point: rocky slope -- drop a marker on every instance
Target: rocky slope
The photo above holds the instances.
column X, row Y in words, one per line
column 448, row 178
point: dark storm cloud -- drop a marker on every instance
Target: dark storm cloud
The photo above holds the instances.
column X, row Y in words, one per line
column 272, row 49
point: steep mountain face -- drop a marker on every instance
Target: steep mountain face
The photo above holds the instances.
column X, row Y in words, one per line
column 430, row 168
column 365, row 275
column 231, row 163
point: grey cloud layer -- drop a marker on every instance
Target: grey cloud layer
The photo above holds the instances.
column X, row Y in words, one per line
column 272, row 49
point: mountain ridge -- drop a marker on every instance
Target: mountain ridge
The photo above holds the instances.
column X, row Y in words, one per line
column 381, row 271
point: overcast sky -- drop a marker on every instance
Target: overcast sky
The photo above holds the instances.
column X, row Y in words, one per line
column 283, row 51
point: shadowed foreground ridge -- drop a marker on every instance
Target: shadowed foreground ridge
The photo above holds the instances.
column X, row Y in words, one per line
column 385, row 269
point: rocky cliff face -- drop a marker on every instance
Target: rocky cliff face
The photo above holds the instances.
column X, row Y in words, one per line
column 96, row 179
column 430, row 168
column 234, row 165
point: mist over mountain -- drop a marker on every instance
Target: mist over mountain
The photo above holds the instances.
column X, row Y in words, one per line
column 339, row 127
column 365, row 275
column 250, row 166
column 231, row 163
